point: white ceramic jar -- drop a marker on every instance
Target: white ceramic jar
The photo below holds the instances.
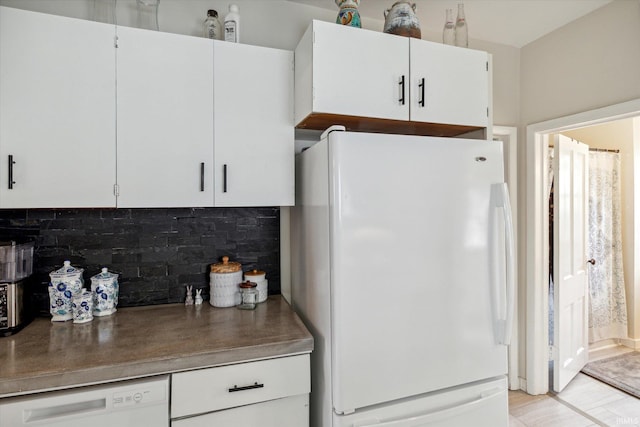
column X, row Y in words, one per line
column 64, row 284
column 259, row 278
column 105, row 290
column 224, row 279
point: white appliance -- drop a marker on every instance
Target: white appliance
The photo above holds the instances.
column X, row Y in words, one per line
column 402, row 263
column 132, row 403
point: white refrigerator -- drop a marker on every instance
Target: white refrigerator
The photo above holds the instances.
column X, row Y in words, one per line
column 402, row 269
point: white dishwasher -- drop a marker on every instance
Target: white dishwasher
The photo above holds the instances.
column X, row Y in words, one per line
column 124, row 404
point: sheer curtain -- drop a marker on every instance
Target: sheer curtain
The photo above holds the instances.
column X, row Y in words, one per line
column 607, row 302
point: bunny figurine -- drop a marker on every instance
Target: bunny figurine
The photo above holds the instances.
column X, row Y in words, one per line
column 198, row 296
column 189, row 298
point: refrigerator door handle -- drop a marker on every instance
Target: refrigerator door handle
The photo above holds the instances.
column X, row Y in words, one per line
column 449, row 411
column 504, row 320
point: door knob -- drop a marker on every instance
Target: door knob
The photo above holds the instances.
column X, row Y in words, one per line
column 592, row 261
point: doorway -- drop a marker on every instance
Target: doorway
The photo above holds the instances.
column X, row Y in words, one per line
column 537, row 223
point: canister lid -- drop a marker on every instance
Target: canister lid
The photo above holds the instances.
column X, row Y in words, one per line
column 226, row 266
column 254, row 273
column 105, row 276
column 248, row 284
column 67, row 271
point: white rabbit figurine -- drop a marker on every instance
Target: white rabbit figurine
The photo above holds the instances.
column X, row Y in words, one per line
column 189, row 298
column 198, row 296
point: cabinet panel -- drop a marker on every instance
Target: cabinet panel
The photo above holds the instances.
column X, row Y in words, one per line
column 449, row 84
column 57, row 111
column 253, row 118
column 287, row 412
column 207, row 390
column 165, row 119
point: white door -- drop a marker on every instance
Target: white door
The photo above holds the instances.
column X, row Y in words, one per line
column 449, row 84
column 570, row 220
column 253, row 125
column 57, row 111
column 414, row 296
column 360, row 73
column 165, row 119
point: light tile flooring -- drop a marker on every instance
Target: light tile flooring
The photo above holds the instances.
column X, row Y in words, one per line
column 585, row 402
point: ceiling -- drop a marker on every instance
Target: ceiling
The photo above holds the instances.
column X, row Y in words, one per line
column 510, row 22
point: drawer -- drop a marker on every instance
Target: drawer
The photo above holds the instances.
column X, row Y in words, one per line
column 286, row 412
column 212, row 389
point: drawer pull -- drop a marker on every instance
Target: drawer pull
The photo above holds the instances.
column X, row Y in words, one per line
column 246, row 387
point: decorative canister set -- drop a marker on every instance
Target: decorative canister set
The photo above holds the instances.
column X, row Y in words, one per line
column 401, row 19
column 69, row 300
column 228, row 288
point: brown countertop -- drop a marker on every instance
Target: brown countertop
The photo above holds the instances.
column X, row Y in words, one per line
column 144, row 341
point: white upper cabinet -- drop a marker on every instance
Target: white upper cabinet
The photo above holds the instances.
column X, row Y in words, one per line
column 57, row 111
column 165, row 119
column 368, row 80
column 253, row 126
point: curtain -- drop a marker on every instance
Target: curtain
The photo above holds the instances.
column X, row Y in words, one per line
column 607, row 302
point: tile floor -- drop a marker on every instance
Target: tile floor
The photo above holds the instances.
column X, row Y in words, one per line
column 585, row 402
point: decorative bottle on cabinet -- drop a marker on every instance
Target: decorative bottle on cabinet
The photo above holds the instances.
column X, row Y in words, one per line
column 348, row 14
column 449, row 31
column 212, row 26
column 232, row 25
column 462, row 39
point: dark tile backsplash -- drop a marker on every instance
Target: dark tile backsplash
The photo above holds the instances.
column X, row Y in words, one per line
column 157, row 252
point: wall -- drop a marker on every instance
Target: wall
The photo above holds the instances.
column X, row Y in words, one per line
column 618, row 135
column 157, row 252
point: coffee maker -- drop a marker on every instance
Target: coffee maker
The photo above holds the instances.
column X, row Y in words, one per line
column 16, row 265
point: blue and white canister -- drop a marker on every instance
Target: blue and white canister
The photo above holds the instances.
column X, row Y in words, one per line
column 104, row 287
column 82, row 305
column 64, row 284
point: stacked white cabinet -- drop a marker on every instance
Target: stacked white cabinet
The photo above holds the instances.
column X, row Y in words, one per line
column 165, row 119
column 57, row 111
column 253, row 126
column 344, row 74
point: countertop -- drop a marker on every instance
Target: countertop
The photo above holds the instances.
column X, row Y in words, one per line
column 144, row 341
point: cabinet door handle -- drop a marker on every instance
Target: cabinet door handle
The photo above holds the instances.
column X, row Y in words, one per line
column 224, row 179
column 10, row 169
column 202, row 176
column 246, row 387
column 421, row 86
column 401, row 83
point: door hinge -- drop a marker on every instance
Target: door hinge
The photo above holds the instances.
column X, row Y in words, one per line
column 115, row 41
column 487, row 65
column 116, row 190
column 551, row 353
column 487, row 111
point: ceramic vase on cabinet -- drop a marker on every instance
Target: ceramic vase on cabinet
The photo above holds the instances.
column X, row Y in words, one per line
column 402, row 20
column 64, row 284
column 348, row 14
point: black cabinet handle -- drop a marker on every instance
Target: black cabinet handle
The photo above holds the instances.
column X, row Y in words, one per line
column 246, row 387
column 421, row 86
column 11, row 163
column 401, row 83
column 202, row 176
column 224, row 179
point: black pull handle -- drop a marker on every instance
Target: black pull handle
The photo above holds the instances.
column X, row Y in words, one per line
column 401, row 83
column 246, row 387
column 224, row 179
column 11, row 163
column 202, row 176
column 421, row 86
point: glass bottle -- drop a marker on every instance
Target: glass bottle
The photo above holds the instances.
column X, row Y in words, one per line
column 248, row 295
column 462, row 39
column 148, row 14
column 232, row 25
column 212, row 26
column 449, row 32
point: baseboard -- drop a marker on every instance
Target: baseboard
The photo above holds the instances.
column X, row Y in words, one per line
column 631, row 343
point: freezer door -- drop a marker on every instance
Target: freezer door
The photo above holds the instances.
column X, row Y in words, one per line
column 416, row 280
column 479, row 405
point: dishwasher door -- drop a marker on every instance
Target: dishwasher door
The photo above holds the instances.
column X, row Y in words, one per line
column 123, row 404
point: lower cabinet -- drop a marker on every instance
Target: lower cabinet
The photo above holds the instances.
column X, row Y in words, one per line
column 269, row 393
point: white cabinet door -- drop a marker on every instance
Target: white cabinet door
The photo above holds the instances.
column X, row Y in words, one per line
column 449, row 84
column 57, row 111
column 352, row 72
column 253, row 117
column 165, row 119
